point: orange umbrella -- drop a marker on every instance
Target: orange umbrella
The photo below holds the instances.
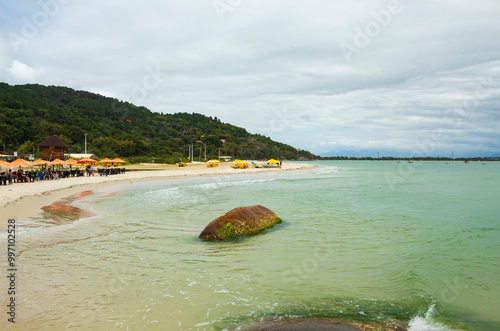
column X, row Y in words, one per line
column 106, row 160
column 86, row 160
column 69, row 162
column 4, row 163
column 39, row 162
column 57, row 162
column 117, row 160
column 20, row 162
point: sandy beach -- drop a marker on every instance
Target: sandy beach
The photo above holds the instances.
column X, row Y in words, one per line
column 24, row 199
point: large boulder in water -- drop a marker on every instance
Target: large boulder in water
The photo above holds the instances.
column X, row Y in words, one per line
column 240, row 221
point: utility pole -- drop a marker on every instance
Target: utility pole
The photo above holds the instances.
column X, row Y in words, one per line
column 86, row 143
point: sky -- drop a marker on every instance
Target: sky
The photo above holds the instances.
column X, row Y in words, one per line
column 414, row 78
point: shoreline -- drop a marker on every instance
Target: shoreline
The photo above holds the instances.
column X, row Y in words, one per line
column 21, row 200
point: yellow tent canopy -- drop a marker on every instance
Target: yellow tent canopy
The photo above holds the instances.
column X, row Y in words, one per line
column 212, row 163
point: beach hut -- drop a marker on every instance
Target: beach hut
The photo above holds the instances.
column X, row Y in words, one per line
column 52, row 148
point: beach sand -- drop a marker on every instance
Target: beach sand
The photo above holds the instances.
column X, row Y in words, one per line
column 21, row 200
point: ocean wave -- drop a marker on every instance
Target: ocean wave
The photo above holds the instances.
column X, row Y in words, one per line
column 427, row 322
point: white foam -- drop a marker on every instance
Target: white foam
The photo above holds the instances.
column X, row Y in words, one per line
column 426, row 323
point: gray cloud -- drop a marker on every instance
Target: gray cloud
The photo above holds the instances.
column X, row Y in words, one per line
column 417, row 70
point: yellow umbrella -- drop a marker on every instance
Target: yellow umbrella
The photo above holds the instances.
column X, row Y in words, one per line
column 20, row 162
column 237, row 161
column 213, row 161
column 273, row 161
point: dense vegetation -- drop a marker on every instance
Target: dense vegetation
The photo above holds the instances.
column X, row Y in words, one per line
column 31, row 113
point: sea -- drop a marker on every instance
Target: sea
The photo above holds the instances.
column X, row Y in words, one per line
column 372, row 241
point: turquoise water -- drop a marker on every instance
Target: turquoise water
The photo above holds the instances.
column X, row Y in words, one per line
column 360, row 240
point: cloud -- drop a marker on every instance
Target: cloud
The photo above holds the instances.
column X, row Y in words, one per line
column 22, row 73
column 278, row 69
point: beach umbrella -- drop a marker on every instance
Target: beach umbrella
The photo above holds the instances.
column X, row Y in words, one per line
column 117, row 160
column 106, row 160
column 213, row 161
column 238, row 161
column 86, row 160
column 20, row 162
column 56, row 162
column 4, row 163
column 39, row 162
column 70, row 162
column 273, row 161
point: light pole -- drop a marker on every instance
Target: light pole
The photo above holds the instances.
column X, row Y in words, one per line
column 86, row 143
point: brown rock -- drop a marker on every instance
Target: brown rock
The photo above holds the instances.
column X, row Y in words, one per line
column 240, row 221
column 317, row 324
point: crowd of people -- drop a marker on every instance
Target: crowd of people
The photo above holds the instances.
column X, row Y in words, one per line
column 21, row 176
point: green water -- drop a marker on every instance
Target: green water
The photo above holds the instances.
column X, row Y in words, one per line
column 360, row 240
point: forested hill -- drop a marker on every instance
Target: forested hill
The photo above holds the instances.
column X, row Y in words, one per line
column 31, row 113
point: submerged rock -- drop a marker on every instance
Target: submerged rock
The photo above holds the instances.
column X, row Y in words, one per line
column 240, row 221
column 317, row 324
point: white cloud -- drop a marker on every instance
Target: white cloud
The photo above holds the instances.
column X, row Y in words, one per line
column 22, row 73
column 277, row 68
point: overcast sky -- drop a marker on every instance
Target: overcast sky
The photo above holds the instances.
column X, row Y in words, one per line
column 418, row 77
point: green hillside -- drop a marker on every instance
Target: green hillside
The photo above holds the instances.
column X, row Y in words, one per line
column 32, row 113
